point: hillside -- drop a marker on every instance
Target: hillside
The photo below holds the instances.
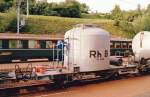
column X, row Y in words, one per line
column 59, row 25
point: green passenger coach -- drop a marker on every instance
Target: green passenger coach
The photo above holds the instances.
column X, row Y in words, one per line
column 28, row 46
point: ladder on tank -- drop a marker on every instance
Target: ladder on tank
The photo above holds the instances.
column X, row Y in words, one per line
column 58, row 55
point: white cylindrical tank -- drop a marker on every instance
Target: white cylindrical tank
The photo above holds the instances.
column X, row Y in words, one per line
column 87, row 49
column 141, row 45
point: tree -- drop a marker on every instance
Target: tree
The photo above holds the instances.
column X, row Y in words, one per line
column 5, row 5
column 7, row 19
column 139, row 11
column 148, row 9
column 143, row 22
column 70, row 8
column 84, row 8
column 117, row 13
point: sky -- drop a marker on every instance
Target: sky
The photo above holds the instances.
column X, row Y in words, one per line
column 107, row 5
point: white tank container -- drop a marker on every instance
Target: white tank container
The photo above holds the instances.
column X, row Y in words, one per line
column 88, row 49
column 141, row 45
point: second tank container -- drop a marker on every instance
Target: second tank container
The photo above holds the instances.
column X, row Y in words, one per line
column 141, row 46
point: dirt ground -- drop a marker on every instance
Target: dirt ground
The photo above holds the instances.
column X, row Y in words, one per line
column 127, row 87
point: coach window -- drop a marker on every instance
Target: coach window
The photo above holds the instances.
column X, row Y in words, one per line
column 15, row 44
column 34, row 44
column 0, row 43
column 37, row 44
column 112, row 45
column 42, row 44
column 129, row 45
column 49, row 44
column 124, row 45
column 24, row 44
column 117, row 45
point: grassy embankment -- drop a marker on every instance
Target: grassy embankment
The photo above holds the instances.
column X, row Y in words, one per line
column 59, row 25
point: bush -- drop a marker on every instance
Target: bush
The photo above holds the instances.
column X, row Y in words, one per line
column 146, row 23
column 127, row 27
column 70, row 8
column 2, row 27
column 116, row 22
column 138, row 25
column 4, row 6
column 142, row 24
column 12, row 25
column 6, row 20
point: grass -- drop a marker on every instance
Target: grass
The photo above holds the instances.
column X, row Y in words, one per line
column 59, row 25
column 36, row 24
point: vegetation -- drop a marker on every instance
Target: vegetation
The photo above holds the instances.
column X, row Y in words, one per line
column 59, row 25
column 48, row 18
column 7, row 20
column 69, row 8
column 143, row 22
column 5, row 5
column 132, row 21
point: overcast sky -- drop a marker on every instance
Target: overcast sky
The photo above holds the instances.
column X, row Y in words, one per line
column 108, row 5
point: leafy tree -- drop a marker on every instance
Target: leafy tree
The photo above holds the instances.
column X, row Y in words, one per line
column 148, row 9
column 143, row 23
column 138, row 24
column 69, row 8
column 139, row 11
column 84, row 8
column 2, row 28
column 6, row 19
column 117, row 13
column 5, row 5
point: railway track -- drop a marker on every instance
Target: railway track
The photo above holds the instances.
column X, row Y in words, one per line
column 24, row 87
column 13, row 88
column 35, row 86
